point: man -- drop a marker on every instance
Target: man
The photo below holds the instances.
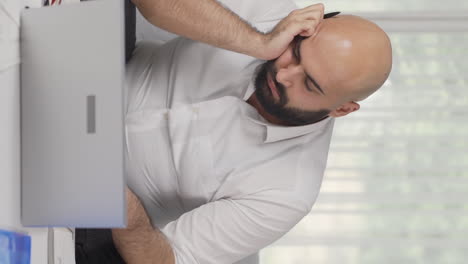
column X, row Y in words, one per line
column 225, row 152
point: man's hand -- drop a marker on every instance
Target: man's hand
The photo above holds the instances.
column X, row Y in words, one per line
column 210, row 22
column 299, row 22
column 140, row 243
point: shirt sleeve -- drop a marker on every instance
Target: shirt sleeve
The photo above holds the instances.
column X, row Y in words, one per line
column 228, row 230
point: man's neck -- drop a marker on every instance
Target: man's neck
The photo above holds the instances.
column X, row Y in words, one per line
column 253, row 101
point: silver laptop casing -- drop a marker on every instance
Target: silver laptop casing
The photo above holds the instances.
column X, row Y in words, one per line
column 72, row 115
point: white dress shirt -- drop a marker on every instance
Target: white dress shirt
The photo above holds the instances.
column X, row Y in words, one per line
column 217, row 179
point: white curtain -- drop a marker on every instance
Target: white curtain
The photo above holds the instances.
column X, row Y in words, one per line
column 396, row 186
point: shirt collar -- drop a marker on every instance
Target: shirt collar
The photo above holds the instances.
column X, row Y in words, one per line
column 276, row 133
column 250, row 90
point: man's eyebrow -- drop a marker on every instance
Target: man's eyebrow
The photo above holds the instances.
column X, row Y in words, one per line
column 315, row 83
column 298, row 50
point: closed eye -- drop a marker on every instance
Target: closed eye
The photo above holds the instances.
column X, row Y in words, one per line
column 297, row 55
column 306, row 83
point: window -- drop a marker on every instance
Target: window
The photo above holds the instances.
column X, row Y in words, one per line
column 389, row 5
column 396, row 185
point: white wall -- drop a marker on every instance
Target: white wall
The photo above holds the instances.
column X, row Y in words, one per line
column 10, row 128
column 9, row 114
column 9, row 148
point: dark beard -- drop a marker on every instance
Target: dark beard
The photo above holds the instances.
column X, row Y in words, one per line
column 290, row 115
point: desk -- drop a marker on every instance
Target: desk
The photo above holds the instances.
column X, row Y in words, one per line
column 10, row 143
column 9, row 166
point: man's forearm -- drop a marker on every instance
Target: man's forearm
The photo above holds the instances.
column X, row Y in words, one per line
column 140, row 243
column 143, row 246
column 204, row 20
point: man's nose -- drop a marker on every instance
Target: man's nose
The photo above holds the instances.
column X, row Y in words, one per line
column 287, row 75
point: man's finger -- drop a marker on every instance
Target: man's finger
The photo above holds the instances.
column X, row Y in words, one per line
column 309, row 15
column 309, row 29
column 304, row 28
column 317, row 8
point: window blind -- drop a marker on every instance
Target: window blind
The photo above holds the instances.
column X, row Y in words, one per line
column 396, row 185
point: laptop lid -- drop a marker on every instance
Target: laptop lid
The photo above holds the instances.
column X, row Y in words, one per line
column 72, row 115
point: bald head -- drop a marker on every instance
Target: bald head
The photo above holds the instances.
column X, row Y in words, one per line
column 346, row 60
column 355, row 53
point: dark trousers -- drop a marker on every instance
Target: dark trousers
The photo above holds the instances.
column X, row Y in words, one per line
column 95, row 246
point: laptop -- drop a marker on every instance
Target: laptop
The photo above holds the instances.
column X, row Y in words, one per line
column 72, row 115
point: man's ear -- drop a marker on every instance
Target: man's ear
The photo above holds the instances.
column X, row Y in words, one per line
column 345, row 109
